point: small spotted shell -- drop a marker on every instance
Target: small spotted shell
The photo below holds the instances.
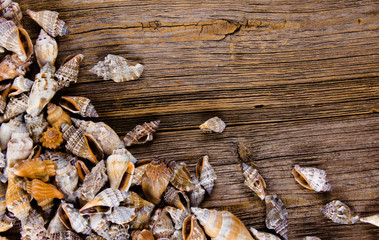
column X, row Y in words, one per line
column 7, row 221
column 142, row 235
column 121, row 215
column 177, row 215
column 161, row 225
column 49, row 21
column 339, row 212
column 4, row 89
column 214, row 124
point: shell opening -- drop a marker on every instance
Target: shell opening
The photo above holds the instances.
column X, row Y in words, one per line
column 95, row 209
column 64, row 218
column 300, row 178
column 26, row 42
column 94, row 148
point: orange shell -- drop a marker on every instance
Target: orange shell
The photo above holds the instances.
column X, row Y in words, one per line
column 51, row 138
column 40, row 190
column 35, row 168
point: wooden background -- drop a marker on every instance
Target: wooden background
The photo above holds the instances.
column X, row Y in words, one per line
column 298, row 80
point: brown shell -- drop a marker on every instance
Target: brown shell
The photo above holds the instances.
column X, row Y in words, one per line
column 177, row 215
column 46, row 49
column 120, row 170
column 33, row 227
column 49, row 21
column 254, row 180
column 214, row 124
column 142, row 235
column 143, row 210
column 35, row 169
column 339, row 213
column 7, row 221
column 41, row 190
column 4, row 88
column 56, row 116
column 162, row 227
column 47, row 204
column 276, row 215
column 71, row 218
column 177, row 199
column 15, row 106
column 311, row 178
column 51, row 138
column 12, row 66
column 18, row 201
column 78, row 105
column 205, row 174
column 36, row 125
column 262, row 235
column 141, row 134
column 180, row 178
column 82, row 169
column 192, row 230
column 139, row 172
column 3, row 204
column 68, row 72
column 11, row 11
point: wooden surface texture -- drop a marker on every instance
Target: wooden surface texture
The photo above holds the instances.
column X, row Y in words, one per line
column 297, row 80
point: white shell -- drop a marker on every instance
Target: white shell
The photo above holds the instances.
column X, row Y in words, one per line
column 262, row 235
column 46, row 49
column 6, row 130
column 20, row 84
column 214, row 124
column 374, row 219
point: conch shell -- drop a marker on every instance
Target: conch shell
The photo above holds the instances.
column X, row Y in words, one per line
column 142, row 235
column 56, row 116
column 205, row 174
column 79, row 105
column 177, row 215
column 143, row 210
column 263, row 235
column 14, row 125
column 68, row 72
column 46, row 49
column 221, row 224
column 16, row 106
column 192, row 230
column 19, row 148
column 339, row 212
column 35, row 169
column 20, row 84
column 197, row 194
column 121, row 215
column 180, row 178
column 51, row 138
column 120, row 170
column 116, row 68
column 49, row 21
column 141, row 134
column 36, row 125
column 11, row 11
column 276, row 215
column 40, row 190
column 214, row 124
column 7, row 221
column 18, row 201
column 374, row 219
column 32, row 227
column 100, row 225
column 11, row 66
column 162, row 227
column 177, row 199
column 311, row 178
column 71, row 218
column 254, row 180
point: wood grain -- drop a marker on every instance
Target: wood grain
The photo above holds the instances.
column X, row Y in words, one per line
column 298, row 80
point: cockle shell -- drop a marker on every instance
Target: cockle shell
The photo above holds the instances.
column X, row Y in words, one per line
column 221, row 224
column 120, row 170
column 49, row 21
column 177, row 199
column 14, row 125
column 43, row 90
column 12, row 66
column 339, row 212
column 177, row 215
column 7, row 221
column 46, row 49
column 20, row 84
column 155, row 180
column 374, row 219
column 78, row 105
column 81, row 145
column 197, row 194
column 121, row 215
column 103, row 133
column 93, row 182
column 32, row 227
column 71, row 218
column 141, row 134
column 262, row 235
column 18, row 201
column 311, row 178
column 276, row 215
column 104, row 202
column 116, row 68
column 143, row 209
column 36, row 125
column 3, row 204
column 311, row 238
column 180, row 178
column 214, row 124
column 100, row 225
column 162, row 227
column 4, row 88
column 40, row 190
column 51, row 138
column 254, row 180
column 11, row 11
column 19, row 148
column 192, row 230
column 56, row 116
column 64, row 235
column 142, row 235
column 35, row 169
column 16, row 106
column 68, row 72
column 205, row 174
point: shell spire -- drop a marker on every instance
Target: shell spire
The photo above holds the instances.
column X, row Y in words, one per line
column 50, row 22
column 141, row 134
column 311, row 178
column 276, row 215
column 374, row 219
column 205, row 174
column 78, row 105
column 254, row 180
column 68, row 72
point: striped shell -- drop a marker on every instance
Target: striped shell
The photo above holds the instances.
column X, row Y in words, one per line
column 192, row 230
column 32, row 227
column 276, row 215
column 180, row 178
column 141, row 134
column 17, row 200
column 19, row 148
column 205, row 174
column 121, row 215
column 46, row 49
column 56, row 116
column 68, row 72
column 49, row 21
column 177, row 199
column 100, row 225
column 15, row 106
column 311, row 178
column 40, row 190
column 51, row 138
column 4, row 89
column 120, row 170
column 197, row 194
column 254, row 180
column 142, row 235
column 35, row 169
column 262, row 235
column 177, row 215
column 339, row 213
column 7, row 221
column 78, row 105
column 214, row 124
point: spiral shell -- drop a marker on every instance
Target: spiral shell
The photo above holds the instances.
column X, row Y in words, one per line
column 35, row 169
column 56, row 116
column 14, row 125
column 139, row 172
column 32, row 227
column 374, row 219
column 78, row 105
column 49, row 21
column 116, row 68
column 55, row 225
column 71, row 218
column 36, row 125
column 68, row 72
column 16, row 106
column 339, row 212
column 141, row 134
column 18, row 201
column 143, row 210
column 46, row 49
column 276, row 215
column 119, row 231
column 121, row 215
column 262, row 235
column 142, row 235
column 20, row 84
column 40, row 190
column 221, row 224
column 7, row 221
column 254, row 180
column 162, row 226
column 205, row 174
column 5, row 89
column 120, row 170
column 12, row 66
column 197, row 194
column 19, row 148
column 11, row 11
column 192, row 230
column 180, row 178
column 311, row 178
column 51, row 138
column 177, row 199
column 214, row 124
column 177, row 215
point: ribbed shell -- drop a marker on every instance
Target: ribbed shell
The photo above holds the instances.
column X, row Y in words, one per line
column 47, row 205
column 276, row 215
column 64, row 235
column 46, row 49
column 205, row 174
column 374, row 219
column 311, row 178
column 49, row 21
column 15, row 106
column 11, row 11
column 4, row 88
column 51, row 138
column 56, row 225
column 32, row 227
column 142, row 235
column 68, row 72
column 139, row 172
column 254, row 180
column 35, row 169
column 262, row 235
column 180, row 178
column 7, row 221
column 18, row 201
column 3, row 204
column 214, row 124
column 78, row 105
column 40, row 190
column 121, row 215
column 339, row 213
column 143, row 210
column 36, row 125
column 100, row 225
column 197, row 194
column 192, row 230
column 141, row 134
column 118, row 232
column 56, row 116
column 20, row 84
column 71, row 218
column 177, row 199
column 104, row 202
column 120, row 170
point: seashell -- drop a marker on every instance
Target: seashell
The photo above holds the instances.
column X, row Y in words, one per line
column 103, row 133
column 262, row 235
column 180, row 178
column 143, row 210
column 116, row 68
column 121, row 215
column 18, row 201
column 120, row 170
column 35, row 169
column 119, row 232
column 79, row 105
column 339, row 212
column 56, row 116
column 46, row 50
column 7, row 221
column 177, row 216
column 81, row 145
column 64, row 235
column 46, row 204
column 56, row 225
column 12, row 66
column 221, row 224
column 155, row 180
column 68, row 72
column 374, row 219
column 71, row 218
column 177, row 199
column 254, row 180
column 192, row 230
column 11, row 11
column 36, row 125
column 139, row 172
column 311, row 238
column 197, row 194
column 93, row 182
column 311, row 178
column 162, row 227
column 82, row 169
column 141, row 134
column 40, row 190
column 245, row 152
column 49, row 21
column 32, row 227
column 205, row 174
column 276, row 216
column 104, row 202
column 93, row 236
column 142, row 235
column 51, row 138
column 3, row 204
column 43, row 90
column 214, row 124
column 20, row 84
column 4, row 88
column 19, row 148
column 16, row 106
column 177, row 235
column 14, row 125
column 100, row 225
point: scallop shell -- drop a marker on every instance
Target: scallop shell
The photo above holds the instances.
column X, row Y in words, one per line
column 40, row 190
column 51, row 138
column 32, row 227
column 36, row 125
column 100, row 225
column 163, row 227
column 311, row 178
column 339, row 212
column 120, row 170
column 103, row 133
column 197, row 194
column 93, row 182
column 16, row 106
column 11, row 11
column 177, row 199
column 71, row 218
column 35, row 169
column 121, row 215
column 205, row 174
column 141, row 134
column 81, row 145
column 311, row 238
column 139, row 172
column 64, row 235
column 142, row 235
column 7, row 221
column 19, row 148
column 3, row 204
column 214, row 124
column 56, row 116
column 20, row 84
column 192, row 230
column 116, row 68
column 43, row 90
column 68, row 72
column 374, row 219
column 55, row 225
column 254, row 180
column 276, row 215
column 177, row 215
column 155, row 180
column 18, row 201
column 50, row 22
column 14, row 125
column 79, row 105
column 221, row 224
column 180, row 178
column 46, row 49
column 262, row 235
column 4, row 88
